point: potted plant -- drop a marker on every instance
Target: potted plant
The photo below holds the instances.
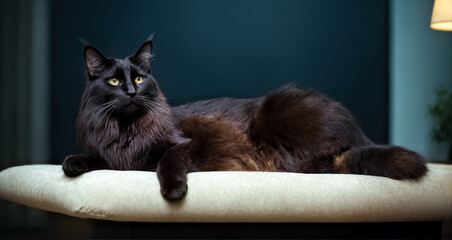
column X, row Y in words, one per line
column 441, row 112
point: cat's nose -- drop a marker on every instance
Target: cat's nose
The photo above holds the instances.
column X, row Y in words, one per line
column 131, row 91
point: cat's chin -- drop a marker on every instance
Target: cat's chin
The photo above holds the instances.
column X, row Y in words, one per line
column 131, row 111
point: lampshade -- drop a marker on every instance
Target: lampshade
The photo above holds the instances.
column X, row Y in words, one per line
column 442, row 15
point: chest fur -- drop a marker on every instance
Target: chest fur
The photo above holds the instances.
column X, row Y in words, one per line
column 128, row 148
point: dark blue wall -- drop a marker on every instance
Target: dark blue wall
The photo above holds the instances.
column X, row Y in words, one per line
column 208, row 49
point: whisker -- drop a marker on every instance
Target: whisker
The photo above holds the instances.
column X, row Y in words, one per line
column 102, row 116
column 97, row 117
column 95, row 109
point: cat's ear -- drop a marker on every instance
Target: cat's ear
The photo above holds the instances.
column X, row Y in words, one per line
column 143, row 56
column 94, row 60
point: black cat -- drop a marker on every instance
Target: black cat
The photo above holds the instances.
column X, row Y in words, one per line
column 125, row 123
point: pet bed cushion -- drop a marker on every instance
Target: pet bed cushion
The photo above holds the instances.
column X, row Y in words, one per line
column 232, row 196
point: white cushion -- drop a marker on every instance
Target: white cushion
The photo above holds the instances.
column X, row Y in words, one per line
column 232, row 196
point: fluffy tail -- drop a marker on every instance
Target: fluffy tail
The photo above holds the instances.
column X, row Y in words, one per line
column 386, row 161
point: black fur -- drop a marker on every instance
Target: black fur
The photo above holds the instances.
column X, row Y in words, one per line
column 129, row 126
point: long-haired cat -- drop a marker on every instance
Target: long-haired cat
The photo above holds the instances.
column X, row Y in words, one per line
column 125, row 123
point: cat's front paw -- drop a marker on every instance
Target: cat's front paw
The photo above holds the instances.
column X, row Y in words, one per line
column 75, row 165
column 174, row 190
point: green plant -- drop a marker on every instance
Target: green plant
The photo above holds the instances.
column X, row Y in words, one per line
column 441, row 111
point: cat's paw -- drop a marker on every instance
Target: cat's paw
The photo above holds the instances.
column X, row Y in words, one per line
column 75, row 165
column 174, row 190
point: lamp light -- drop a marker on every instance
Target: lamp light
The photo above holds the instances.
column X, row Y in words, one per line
column 442, row 15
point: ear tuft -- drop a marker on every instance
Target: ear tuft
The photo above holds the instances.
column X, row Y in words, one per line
column 94, row 60
column 151, row 37
column 83, row 41
column 143, row 56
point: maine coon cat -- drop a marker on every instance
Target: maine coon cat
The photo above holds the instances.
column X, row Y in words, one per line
column 125, row 123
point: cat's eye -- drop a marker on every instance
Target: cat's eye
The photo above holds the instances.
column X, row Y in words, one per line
column 113, row 81
column 139, row 79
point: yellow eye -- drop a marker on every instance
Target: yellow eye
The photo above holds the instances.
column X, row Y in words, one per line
column 139, row 79
column 113, row 81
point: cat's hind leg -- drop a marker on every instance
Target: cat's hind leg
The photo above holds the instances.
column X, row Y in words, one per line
column 387, row 161
column 75, row 165
column 308, row 126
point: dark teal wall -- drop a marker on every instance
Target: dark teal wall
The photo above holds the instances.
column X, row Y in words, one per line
column 209, row 49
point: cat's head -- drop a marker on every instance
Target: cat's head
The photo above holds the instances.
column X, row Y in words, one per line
column 120, row 88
